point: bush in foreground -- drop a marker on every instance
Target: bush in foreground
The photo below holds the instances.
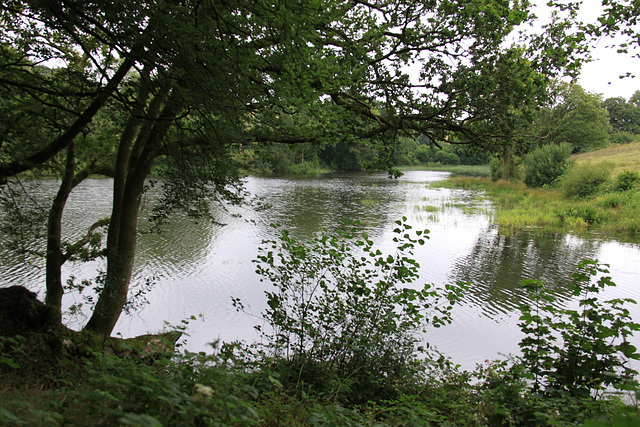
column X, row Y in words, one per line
column 341, row 307
column 326, row 361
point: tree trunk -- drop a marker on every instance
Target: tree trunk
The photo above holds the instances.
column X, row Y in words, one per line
column 122, row 239
column 120, row 255
column 508, row 163
column 55, row 257
column 54, row 236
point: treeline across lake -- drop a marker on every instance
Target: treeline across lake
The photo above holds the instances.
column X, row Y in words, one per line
column 307, row 158
column 571, row 117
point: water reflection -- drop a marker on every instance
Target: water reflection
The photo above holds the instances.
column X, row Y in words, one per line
column 308, row 206
column 498, row 262
column 485, row 325
column 197, row 266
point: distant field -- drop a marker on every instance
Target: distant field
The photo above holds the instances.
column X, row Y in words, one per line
column 624, row 156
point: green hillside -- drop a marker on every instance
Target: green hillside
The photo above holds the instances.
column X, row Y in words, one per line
column 624, row 156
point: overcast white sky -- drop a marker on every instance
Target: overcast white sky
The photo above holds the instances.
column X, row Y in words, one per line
column 602, row 75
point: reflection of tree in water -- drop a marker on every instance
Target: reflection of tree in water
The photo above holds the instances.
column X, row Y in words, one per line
column 180, row 243
column 308, row 206
column 499, row 262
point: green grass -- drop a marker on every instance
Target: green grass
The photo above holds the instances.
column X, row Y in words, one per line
column 463, row 170
column 428, row 208
column 623, row 156
column 612, row 212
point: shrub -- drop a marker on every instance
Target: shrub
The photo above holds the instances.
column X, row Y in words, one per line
column 498, row 170
column 585, row 180
column 423, row 154
column 627, row 179
column 588, row 213
column 610, row 200
column 545, row 165
column 578, row 353
column 571, row 359
column 495, row 169
column 622, row 137
column 341, row 307
column 446, row 158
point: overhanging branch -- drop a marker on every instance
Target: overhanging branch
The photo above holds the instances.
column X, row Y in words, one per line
column 77, row 246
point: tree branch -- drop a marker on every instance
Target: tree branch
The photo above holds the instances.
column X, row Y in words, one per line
column 61, row 142
column 77, row 246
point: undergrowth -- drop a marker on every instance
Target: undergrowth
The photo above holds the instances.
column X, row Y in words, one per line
column 614, row 207
column 339, row 349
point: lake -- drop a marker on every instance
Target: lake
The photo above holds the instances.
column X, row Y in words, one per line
column 196, row 267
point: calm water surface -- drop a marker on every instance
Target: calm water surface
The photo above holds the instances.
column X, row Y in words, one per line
column 196, row 267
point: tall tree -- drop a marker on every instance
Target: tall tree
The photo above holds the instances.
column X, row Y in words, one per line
column 624, row 115
column 197, row 77
column 574, row 116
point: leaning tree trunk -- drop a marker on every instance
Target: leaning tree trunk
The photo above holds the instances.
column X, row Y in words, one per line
column 54, row 258
column 55, row 255
column 122, row 238
column 121, row 249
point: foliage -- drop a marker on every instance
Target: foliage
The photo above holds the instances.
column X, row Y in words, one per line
column 23, row 218
column 422, row 154
column 593, row 353
column 571, row 358
column 446, row 158
column 218, row 389
column 576, row 117
column 585, row 180
column 495, row 169
column 278, row 159
column 627, row 180
column 345, row 156
column 624, row 115
column 564, row 113
column 622, row 137
column 352, row 155
column 122, row 88
column 340, row 305
column 546, row 164
column 507, row 168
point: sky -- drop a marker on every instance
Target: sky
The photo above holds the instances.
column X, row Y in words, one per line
column 602, row 75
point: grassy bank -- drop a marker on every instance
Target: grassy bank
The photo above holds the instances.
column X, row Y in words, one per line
column 464, row 170
column 592, row 197
column 612, row 212
column 623, row 156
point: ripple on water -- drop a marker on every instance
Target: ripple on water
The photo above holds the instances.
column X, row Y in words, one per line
column 200, row 266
